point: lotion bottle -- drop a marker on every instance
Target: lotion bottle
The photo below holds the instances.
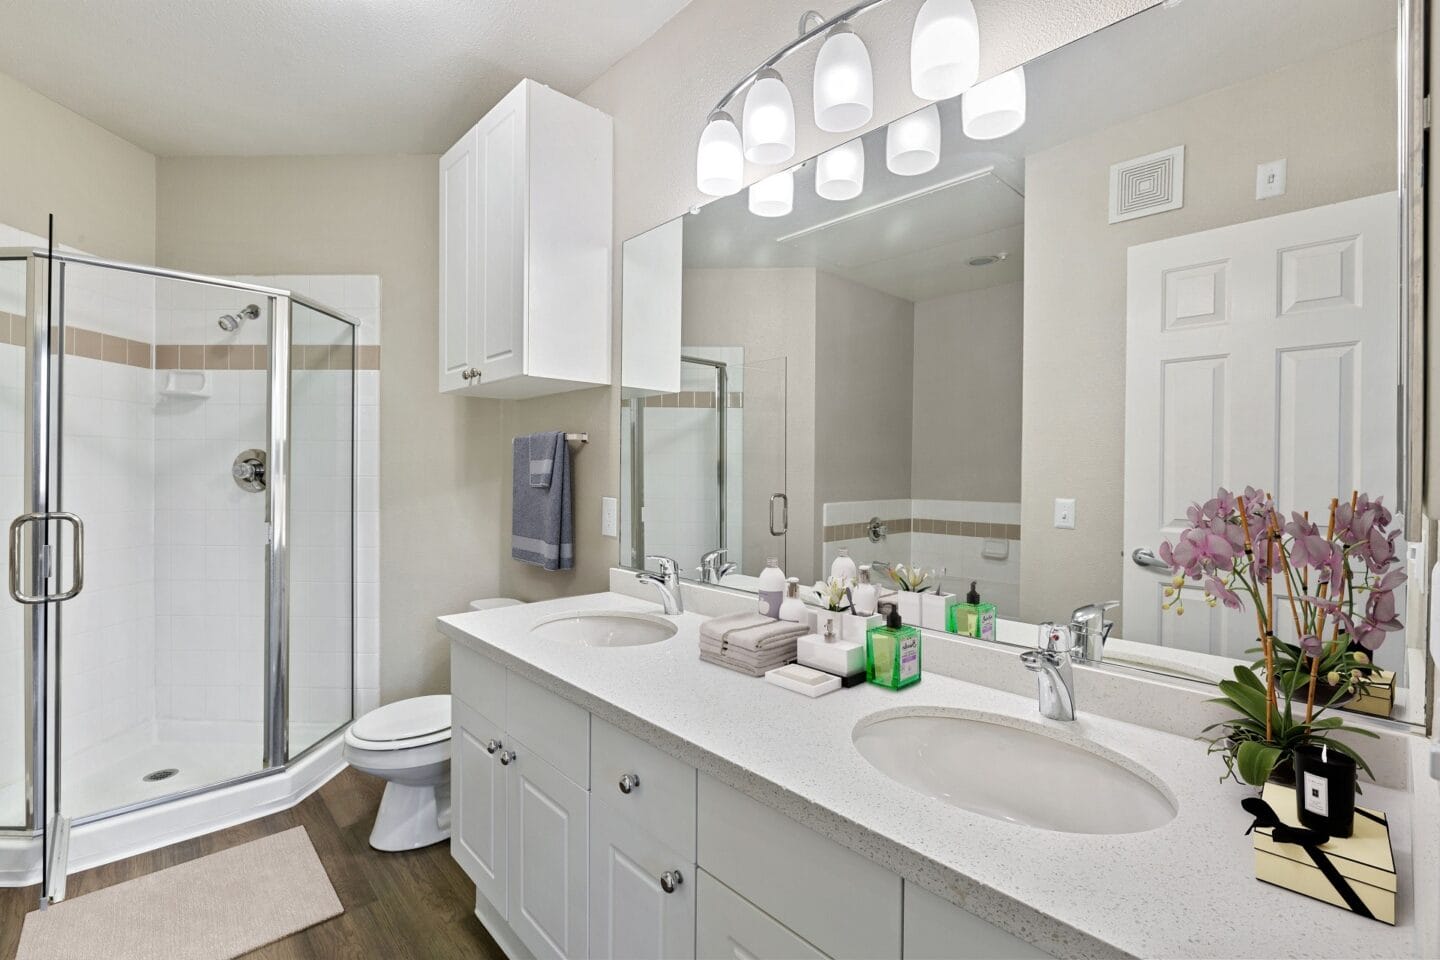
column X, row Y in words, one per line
column 842, row 567
column 771, row 589
column 864, row 597
column 792, row 608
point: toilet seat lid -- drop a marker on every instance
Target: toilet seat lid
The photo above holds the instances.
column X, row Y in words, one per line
column 404, row 720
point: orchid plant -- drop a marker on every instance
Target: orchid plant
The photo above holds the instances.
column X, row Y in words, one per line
column 914, row 578
column 1341, row 583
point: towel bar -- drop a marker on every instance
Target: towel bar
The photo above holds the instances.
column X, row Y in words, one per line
column 578, row 437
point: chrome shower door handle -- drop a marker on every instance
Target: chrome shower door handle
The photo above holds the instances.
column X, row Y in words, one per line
column 77, row 557
column 784, row 514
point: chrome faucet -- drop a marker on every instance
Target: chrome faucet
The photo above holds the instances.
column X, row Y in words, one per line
column 1090, row 629
column 1054, row 678
column 667, row 581
column 711, row 569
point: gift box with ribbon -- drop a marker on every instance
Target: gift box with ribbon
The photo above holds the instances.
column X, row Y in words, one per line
column 1378, row 697
column 1356, row 873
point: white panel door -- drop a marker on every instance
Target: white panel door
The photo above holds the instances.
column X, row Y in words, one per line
column 633, row 916
column 548, row 819
column 477, row 803
column 1265, row 353
column 458, row 260
column 498, row 325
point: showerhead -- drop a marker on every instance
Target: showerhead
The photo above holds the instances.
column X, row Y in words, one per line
column 231, row 321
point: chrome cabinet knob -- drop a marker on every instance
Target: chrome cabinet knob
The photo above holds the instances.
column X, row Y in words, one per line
column 507, row 757
column 471, row 374
column 670, row 879
column 629, row 782
column 491, row 746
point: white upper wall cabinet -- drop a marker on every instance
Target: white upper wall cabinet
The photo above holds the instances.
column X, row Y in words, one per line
column 525, row 240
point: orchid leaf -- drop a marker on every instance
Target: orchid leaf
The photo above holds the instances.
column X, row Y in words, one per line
column 1255, row 761
column 1248, row 678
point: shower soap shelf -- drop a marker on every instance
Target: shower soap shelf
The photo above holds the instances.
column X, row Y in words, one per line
column 185, row 383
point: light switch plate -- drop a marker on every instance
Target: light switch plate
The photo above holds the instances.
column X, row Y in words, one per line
column 1064, row 513
column 1269, row 179
column 609, row 517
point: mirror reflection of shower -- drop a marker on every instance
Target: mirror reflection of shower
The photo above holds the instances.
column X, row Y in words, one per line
column 232, row 321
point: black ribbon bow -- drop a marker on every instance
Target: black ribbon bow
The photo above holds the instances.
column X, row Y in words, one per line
column 1310, row 841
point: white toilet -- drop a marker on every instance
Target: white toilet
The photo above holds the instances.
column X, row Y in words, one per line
column 408, row 743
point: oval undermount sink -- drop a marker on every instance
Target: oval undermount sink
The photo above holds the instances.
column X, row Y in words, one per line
column 1012, row 773
column 605, row 628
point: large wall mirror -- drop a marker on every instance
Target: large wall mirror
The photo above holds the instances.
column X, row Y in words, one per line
column 1019, row 360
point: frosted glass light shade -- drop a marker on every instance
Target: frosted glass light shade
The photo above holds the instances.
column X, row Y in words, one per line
column 768, row 122
column 944, row 49
column 844, row 83
column 719, row 163
column 840, row 171
column 774, row 196
column 912, row 144
column 994, row 108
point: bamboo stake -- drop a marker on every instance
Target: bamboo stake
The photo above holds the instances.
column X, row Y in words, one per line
column 1268, row 641
column 1320, row 624
column 1289, row 579
column 1263, row 620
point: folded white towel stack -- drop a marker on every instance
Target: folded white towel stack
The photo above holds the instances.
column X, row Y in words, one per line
column 749, row 643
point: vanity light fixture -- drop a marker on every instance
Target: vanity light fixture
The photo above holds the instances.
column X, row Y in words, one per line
column 995, row 108
column 912, row 144
column 774, row 196
column 769, row 120
column 844, row 82
column 840, row 171
column 719, row 162
column 944, row 49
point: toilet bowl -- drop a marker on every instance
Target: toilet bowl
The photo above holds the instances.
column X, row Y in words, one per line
column 406, row 743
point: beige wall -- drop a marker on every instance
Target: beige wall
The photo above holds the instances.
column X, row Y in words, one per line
column 1335, row 122
column 439, row 480
column 771, row 313
column 100, row 188
column 659, row 96
column 864, row 348
column 968, row 372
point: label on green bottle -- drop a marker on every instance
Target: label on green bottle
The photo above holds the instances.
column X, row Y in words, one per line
column 909, row 658
column 987, row 625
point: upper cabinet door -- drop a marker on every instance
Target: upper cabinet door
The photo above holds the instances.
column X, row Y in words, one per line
column 525, row 281
column 458, row 261
column 498, row 326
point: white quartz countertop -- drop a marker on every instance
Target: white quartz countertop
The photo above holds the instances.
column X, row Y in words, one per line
column 1186, row 889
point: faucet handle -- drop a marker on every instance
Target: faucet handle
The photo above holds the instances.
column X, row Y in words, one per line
column 1053, row 638
column 668, row 567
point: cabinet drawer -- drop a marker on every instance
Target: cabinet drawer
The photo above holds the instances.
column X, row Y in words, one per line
column 936, row 928
column 552, row 726
column 479, row 682
column 804, row 880
column 729, row 927
column 663, row 802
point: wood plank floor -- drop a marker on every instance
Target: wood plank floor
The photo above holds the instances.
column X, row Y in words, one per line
column 397, row 905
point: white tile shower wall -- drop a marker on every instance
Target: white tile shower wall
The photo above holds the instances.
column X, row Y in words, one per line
column 962, row 558
column 681, row 494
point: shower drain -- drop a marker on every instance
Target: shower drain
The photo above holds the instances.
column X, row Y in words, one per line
column 165, row 774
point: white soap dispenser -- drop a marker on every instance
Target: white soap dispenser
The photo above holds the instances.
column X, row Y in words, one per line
column 842, row 567
column 792, row 608
column 771, row 588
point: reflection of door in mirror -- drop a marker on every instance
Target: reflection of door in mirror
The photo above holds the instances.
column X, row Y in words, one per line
column 1264, row 354
column 705, row 468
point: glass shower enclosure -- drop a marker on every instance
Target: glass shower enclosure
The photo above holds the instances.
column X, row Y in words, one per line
column 177, row 453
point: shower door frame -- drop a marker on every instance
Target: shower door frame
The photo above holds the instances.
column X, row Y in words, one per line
column 44, row 393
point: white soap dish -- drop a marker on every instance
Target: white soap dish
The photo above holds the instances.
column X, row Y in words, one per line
column 185, row 383
column 812, row 683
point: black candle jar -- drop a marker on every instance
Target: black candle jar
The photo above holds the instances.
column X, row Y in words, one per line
column 1325, row 789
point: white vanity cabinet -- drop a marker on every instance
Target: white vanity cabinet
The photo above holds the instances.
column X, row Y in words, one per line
column 525, row 241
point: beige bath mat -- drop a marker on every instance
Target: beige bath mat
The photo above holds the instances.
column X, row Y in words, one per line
column 212, row 908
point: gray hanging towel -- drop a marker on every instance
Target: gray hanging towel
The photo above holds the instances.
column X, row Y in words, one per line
column 542, row 526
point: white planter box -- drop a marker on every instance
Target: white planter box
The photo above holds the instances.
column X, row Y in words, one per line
column 935, row 610
column 908, row 603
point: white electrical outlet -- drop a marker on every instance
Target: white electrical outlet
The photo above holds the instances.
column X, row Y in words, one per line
column 609, row 517
column 1064, row 513
column 1269, row 179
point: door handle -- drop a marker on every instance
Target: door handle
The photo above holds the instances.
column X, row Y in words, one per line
column 77, row 558
column 784, row 514
column 1145, row 557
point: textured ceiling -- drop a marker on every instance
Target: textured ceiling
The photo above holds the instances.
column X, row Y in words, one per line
column 262, row 77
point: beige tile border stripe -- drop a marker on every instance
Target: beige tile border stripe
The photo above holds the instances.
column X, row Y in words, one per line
column 689, row 399
column 94, row 345
column 949, row 528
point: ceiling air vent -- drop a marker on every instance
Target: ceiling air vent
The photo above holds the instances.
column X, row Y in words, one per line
column 1146, row 185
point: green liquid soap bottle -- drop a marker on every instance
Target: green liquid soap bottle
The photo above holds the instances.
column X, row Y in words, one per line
column 892, row 652
column 973, row 618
